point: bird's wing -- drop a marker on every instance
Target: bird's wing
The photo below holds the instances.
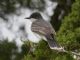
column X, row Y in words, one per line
column 52, row 41
column 46, row 30
column 43, row 27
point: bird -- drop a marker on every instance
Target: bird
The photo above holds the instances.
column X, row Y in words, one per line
column 45, row 29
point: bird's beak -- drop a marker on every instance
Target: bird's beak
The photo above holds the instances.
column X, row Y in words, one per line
column 27, row 18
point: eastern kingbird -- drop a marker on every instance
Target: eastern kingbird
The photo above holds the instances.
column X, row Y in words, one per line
column 44, row 28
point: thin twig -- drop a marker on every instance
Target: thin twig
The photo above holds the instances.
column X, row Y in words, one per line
column 71, row 52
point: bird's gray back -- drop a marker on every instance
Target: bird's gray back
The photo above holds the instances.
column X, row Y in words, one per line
column 42, row 27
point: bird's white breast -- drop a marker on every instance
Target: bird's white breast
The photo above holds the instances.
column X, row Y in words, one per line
column 33, row 37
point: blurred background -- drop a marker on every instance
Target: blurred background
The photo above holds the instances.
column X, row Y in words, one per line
column 64, row 15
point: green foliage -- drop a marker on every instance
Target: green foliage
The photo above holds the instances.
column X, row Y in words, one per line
column 6, row 50
column 69, row 32
column 68, row 36
column 9, row 50
column 43, row 52
column 63, row 6
column 9, row 6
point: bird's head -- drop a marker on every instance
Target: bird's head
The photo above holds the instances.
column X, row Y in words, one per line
column 35, row 15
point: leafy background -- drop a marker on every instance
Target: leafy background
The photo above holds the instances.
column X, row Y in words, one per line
column 67, row 28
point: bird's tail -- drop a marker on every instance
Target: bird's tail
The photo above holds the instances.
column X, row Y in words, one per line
column 53, row 43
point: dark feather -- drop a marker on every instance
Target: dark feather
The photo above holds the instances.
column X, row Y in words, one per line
column 51, row 41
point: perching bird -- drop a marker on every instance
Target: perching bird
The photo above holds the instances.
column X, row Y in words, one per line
column 44, row 28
